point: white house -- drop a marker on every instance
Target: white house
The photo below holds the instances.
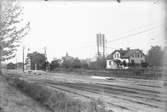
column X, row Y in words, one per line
column 124, row 56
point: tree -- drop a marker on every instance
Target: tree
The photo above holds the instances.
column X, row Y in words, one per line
column 67, row 63
column 38, row 61
column 101, row 63
column 155, row 56
column 11, row 66
column 76, row 63
column 19, row 65
column 98, row 64
column 54, row 64
column 71, row 62
column 118, row 62
column 124, row 63
column 132, row 64
column 12, row 28
column 84, row 64
column 144, row 64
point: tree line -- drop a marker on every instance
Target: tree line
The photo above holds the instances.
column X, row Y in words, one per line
column 154, row 57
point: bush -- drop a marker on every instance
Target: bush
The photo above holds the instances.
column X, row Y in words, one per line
column 144, row 64
column 11, row 66
column 36, row 91
column 62, row 103
column 54, row 100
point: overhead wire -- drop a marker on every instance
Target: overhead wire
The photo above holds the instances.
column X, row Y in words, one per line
column 137, row 28
column 131, row 34
column 126, row 36
column 134, row 34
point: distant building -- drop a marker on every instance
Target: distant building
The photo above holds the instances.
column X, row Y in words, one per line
column 67, row 57
column 120, row 58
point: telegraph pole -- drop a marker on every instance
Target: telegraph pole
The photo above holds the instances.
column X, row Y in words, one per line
column 46, row 58
column 45, row 51
column 103, row 45
column 106, row 47
column 23, row 57
column 16, row 65
column 97, row 44
column 0, row 56
column 0, row 41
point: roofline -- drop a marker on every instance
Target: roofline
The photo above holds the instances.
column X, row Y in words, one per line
column 126, row 51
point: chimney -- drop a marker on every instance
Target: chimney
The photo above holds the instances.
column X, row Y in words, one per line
column 120, row 49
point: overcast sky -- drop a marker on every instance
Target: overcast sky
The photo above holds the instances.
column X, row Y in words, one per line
column 72, row 26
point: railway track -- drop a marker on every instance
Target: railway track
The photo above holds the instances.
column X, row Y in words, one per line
column 140, row 98
column 79, row 93
column 130, row 100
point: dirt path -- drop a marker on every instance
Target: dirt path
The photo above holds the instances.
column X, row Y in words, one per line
column 12, row 100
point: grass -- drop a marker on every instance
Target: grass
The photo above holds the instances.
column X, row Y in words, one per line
column 137, row 73
column 54, row 100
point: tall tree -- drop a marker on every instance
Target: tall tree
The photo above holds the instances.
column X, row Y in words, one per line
column 76, row 63
column 11, row 66
column 12, row 28
column 67, row 61
column 155, row 56
column 54, row 64
column 38, row 60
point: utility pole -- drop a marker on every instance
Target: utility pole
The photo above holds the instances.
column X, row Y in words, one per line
column 45, row 58
column 16, row 65
column 35, row 66
column 23, row 57
column 45, row 51
column 103, row 45
column 106, row 48
column 0, row 41
column 97, row 44
column 0, row 56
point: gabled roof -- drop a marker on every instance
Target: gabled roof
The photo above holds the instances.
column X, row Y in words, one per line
column 125, row 53
column 131, row 52
column 122, row 52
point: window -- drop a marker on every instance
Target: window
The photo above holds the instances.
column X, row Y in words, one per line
column 109, row 62
column 132, row 61
column 138, row 55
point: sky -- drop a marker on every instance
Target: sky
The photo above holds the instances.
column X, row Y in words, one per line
column 71, row 27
